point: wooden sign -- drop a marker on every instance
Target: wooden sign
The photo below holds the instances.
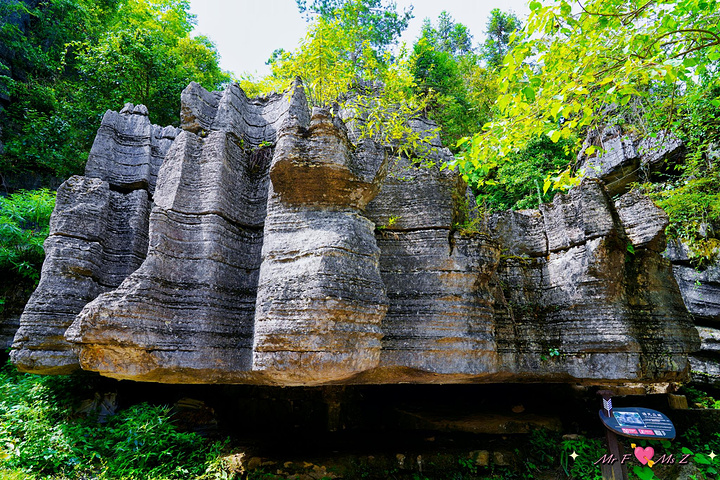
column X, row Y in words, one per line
column 637, row 422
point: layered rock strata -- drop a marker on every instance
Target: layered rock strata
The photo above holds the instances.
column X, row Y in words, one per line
column 440, row 319
column 128, row 150
column 582, row 294
column 320, row 296
column 98, row 236
column 700, row 287
column 271, row 249
column 621, row 159
column 187, row 314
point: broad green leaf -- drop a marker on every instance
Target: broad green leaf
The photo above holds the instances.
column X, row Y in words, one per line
column 529, row 93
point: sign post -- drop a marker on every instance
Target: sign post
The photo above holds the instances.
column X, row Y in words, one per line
column 617, row 469
column 632, row 422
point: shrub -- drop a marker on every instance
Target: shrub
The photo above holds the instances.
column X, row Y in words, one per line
column 40, row 434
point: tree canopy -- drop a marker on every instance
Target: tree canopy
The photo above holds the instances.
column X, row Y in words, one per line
column 380, row 23
column 500, row 27
column 571, row 66
column 514, row 108
column 73, row 59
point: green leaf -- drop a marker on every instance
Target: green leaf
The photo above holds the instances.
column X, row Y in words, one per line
column 529, row 94
column 535, row 6
column 546, row 185
column 590, row 150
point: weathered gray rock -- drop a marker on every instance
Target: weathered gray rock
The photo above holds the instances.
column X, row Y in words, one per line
column 440, row 319
column 128, row 150
column 654, row 151
column 8, row 327
column 281, row 253
column 415, row 197
column 643, row 221
column 251, row 121
column 710, row 338
column 187, row 314
column 615, row 161
column 522, row 232
column 97, row 238
column 700, row 288
column 589, row 309
column 621, row 158
column 320, row 296
column 705, row 370
column 701, row 291
column 699, row 283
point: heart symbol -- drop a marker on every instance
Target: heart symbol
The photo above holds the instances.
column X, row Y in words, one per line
column 644, row 455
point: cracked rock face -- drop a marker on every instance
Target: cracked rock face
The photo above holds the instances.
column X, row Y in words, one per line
column 259, row 245
column 587, row 307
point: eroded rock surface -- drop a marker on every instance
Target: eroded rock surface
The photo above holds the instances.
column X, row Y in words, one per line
column 97, row 238
column 268, row 248
column 187, row 314
column 128, row 150
column 581, row 304
column 320, row 299
column 621, row 158
column 700, row 287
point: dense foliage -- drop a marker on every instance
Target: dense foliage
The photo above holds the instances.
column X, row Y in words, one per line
column 24, row 226
column 447, row 72
column 569, row 68
column 66, row 62
column 40, row 434
column 380, row 21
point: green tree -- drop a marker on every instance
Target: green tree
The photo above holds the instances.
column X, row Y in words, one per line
column 500, row 27
column 339, row 64
column 568, row 67
column 448, row 76
column 78, row 58
column 449, row 36
column 380, row 23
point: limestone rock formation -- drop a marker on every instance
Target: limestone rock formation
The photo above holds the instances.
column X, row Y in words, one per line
column 320, row 296
column 268, row 248
column 580, row 303
column 187, row 314
column 700, row 288
column 128, row 150
column 97, row 238
column 8, row 327
column 620, row 158
column 699, row 284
